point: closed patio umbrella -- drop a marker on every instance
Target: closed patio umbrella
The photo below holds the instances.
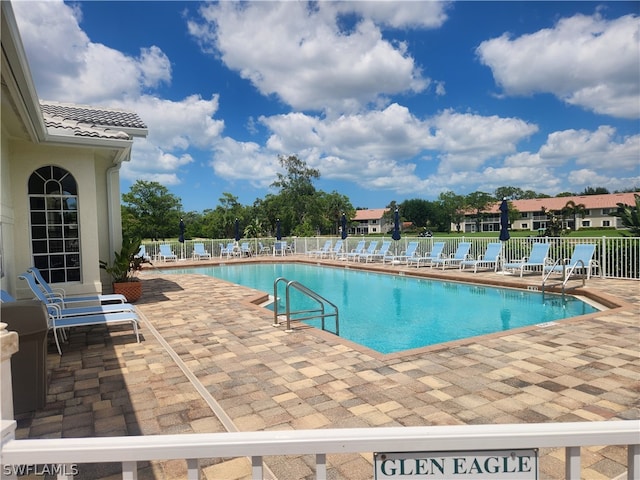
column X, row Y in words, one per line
column 504, row 221
column 278, row 232
column 396, row 226
column 343, row 224
column 237, row 230
column 182, row 229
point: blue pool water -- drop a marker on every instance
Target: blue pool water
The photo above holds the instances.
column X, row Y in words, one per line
column 391, row 313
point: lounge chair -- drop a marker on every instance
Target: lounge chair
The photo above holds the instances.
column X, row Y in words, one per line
column 228, row 250
column 405, row 257
column 325, row 248
column 60, row 306
column 581, row 261
column 245, row 249
column 371, row 249
column 59, row 294
column 489, row 259
column 142, row 253
column 332, row 253
column 263, row 250
column 199, row 252
column 436, row 252
column 537, row 259
column 378, row 254
column 5, row 297
column 166, row 254
column 353, row 253
column 280, row 248
column 460, row 255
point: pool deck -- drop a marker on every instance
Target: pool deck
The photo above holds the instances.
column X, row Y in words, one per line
column 211, row 361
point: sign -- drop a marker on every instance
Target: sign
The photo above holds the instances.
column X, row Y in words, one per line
column 484, row 465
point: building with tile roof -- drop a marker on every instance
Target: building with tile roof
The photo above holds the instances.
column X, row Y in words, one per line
column 60, row 186
column 594, row 212
column 370, row 221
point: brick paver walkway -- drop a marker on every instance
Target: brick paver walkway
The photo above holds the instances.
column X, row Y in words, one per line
column 210, row 361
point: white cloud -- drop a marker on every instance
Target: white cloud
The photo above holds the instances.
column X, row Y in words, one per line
column 301, row 54
column 69, row 67
column 586, row 61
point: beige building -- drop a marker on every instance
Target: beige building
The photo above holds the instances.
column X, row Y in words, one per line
column 370, row 221
column 595, row 211
column 59, row 179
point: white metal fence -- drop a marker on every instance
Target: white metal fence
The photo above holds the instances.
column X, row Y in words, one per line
column 618, row 257
column 129, row 451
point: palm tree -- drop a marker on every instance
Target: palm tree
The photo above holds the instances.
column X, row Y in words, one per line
column 630, row 216
column 574, row 209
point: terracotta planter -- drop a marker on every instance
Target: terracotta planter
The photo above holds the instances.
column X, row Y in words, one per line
column 131, row 290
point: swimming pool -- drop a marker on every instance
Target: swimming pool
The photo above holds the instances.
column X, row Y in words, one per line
column 392, row 313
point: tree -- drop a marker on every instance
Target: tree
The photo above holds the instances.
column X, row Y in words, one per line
column 479, row 201
column 574, row 209
column 630, row 216
column 595, row 191
column 513, row 193
column 451, row 208
column 150, row 211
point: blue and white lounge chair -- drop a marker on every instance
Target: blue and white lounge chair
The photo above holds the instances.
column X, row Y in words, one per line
column 461, row 254
column 317, row 253
column 63, row 310
column 262, row 249
column 405, row 257
column 436, row 252
column 199, row 252
column 537, row 259
column 166, row 254
column 142, row 253
column 489, row 259
column 226, row 251
column 378, row 254
column 371, row 249
column 353, row 253
column 5, row 297
column 333, row 253
column 245, row 249
column 581, row 261
column 280, row 248
column 59, row 294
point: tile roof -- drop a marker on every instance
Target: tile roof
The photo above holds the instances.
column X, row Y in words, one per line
column 86, row 121
column 370, row 214
column 557, row 203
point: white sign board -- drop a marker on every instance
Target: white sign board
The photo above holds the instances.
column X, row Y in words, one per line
column 483, row 465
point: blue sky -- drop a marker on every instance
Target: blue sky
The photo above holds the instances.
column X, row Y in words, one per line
column 388, row 100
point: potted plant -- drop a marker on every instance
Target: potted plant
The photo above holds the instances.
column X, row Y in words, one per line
column 124, row 269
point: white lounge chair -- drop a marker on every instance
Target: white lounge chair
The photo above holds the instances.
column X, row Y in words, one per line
column 405, row 257
column 245, row 249
column 461, row 254
column 262, row 249
column 142, row 253
column 371, row 249
column 489, row 259
column 538, row 258
column 353, row 253
column 59, row 294
column 280, row 248
column 199, row 252
column 228, row 250
column 166, row 254
column 427, row 259
column 333, row 253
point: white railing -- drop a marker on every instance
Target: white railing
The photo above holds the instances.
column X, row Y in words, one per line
column 129, row 451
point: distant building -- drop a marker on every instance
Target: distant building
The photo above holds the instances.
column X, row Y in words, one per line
column 370, row 221
column 594, row 212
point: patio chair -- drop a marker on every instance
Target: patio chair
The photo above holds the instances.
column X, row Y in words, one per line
column 376, row 255
column 5, row 297
column 59, row 305
column 405, row 257
column 353, row 253
column 142, row 253
column 333, row 253
column 436, row 252
column 371, row 249
column 461, row 254
column 262, row 249
column 489, row 259
column 280, row 248
column 538, row 258
column 228, row 250
column 245, row 249
column 325, row 248
column 59, row 294
column 581, row 261
column 166, row 254
column 199, row 252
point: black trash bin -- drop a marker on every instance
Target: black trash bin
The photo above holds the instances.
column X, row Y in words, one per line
column 29, row 364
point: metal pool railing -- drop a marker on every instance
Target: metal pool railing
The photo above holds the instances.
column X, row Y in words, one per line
column 129, row 451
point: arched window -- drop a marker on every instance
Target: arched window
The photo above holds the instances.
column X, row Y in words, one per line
column 55, row 237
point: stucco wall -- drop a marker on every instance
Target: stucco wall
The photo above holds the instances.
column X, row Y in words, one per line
column 8, row 279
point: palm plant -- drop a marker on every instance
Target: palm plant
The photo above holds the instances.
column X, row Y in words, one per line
column 630, row 216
